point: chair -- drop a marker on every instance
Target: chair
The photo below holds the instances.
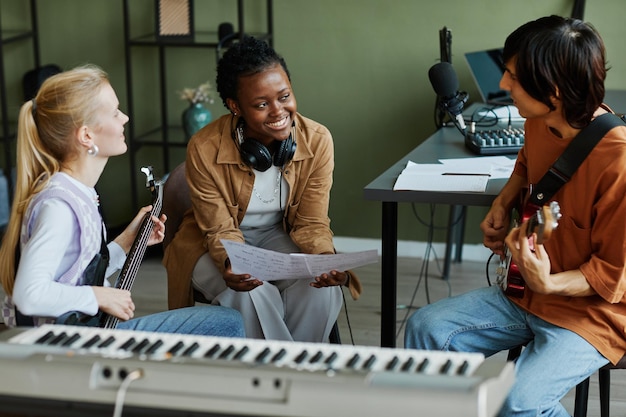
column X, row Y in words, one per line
column 176, row 202
column 604, row 382
column 582, row 389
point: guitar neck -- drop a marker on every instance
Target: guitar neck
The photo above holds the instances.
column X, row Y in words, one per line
column 128, row 273
column 533, row 226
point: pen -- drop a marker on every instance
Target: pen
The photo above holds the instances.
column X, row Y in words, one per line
column 465, row 173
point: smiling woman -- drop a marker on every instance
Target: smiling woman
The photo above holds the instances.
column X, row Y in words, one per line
column 260, row 175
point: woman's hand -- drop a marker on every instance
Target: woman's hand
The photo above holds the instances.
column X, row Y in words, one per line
column 158, row 229
column 127, row 237
column 240, row 282
column 115, row 302
column 332, row 279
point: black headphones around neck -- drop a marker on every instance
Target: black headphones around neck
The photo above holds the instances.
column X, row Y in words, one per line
column 255, row 154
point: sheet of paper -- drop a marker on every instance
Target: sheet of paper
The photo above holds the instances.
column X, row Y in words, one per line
column 268, row 265
column 448, row 169
column 438, row 182
column 443, row 177
column 500, row 166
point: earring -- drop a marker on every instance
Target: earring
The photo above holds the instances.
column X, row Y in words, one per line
column 93, row 151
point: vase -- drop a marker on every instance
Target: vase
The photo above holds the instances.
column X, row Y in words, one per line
column 195, row 117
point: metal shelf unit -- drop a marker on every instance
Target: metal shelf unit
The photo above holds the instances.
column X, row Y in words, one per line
column 9, row 127
column 165, row 136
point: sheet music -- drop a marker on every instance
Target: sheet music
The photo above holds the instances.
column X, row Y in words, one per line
column 268, row 265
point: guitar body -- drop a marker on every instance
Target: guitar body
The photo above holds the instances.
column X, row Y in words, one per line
column 76, row 318
column 128, row 273
column 541, row 220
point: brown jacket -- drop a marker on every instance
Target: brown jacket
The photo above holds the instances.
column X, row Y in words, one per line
column 221, row 186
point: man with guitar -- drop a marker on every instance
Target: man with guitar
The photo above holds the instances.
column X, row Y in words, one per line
column 570, row 310
column 54, row 256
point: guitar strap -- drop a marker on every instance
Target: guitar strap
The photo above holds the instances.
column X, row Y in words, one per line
column 575, row 153
column 96, row 270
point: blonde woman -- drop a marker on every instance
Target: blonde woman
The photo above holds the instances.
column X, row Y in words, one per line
column 55, row 244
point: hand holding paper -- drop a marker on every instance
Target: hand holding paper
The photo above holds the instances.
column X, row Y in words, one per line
column 268, row 265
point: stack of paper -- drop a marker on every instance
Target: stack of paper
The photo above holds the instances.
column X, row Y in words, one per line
column 465, row 174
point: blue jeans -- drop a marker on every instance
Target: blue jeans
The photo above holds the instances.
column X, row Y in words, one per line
column 201, row 320
column 484, row 320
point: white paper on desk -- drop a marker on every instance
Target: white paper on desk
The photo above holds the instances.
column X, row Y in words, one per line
column 500, row 166
column 466, row 168
column 440, row 177
column 268, row 265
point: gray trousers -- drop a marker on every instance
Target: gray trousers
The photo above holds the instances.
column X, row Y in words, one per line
column 277, row 310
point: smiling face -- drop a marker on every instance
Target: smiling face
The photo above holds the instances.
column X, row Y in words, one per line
column 528, row 106
column 108, row 131
column 267, row 104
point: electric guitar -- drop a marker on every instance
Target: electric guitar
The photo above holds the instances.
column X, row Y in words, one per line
column 542, row 220
column 128, row 273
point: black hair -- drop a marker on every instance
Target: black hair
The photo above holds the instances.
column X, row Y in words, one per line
column 246, row 57
column 560, row 57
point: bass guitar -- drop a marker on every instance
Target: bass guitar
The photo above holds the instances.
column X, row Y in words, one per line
column 542, row 221
column 128, row 273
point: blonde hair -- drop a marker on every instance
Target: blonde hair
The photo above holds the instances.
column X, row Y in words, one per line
column 46, row 128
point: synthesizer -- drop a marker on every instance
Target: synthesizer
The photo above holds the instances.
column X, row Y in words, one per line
column 59, row 368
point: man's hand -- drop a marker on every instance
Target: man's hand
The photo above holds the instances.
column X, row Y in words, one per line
column 531, row 259
column 494, row 228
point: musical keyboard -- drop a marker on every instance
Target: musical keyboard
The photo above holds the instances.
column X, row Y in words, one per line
column 69, row 366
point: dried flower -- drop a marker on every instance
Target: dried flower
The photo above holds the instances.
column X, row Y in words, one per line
column 200, row 94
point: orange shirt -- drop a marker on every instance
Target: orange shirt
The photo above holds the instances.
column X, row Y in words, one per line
column 591, row 236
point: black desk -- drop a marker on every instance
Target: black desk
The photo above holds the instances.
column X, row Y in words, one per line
column 446, row 143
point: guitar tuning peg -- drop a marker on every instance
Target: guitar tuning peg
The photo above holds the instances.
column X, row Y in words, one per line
column 149, row 177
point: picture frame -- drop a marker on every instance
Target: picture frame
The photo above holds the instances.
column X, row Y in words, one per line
column 174, row 20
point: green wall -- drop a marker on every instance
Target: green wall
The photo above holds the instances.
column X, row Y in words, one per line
column 358, row 66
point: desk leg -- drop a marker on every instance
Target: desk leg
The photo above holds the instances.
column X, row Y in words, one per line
column 460, row 235
column 456, row 226
column 389, row 269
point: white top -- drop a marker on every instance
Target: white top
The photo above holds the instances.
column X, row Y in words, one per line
column 52, row 249
column 268, row 200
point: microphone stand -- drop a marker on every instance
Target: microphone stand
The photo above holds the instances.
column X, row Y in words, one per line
column 455, row 118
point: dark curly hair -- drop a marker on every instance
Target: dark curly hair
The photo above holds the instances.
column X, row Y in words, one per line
column 564, row 55
column 247, row 57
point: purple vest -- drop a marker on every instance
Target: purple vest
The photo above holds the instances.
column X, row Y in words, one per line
column 90, row 226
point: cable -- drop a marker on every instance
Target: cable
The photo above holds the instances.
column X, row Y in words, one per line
column 345, row 307
column 488, row 118
column 424, row 271
column 424, row 223
column 487, row 268
column 121, row 392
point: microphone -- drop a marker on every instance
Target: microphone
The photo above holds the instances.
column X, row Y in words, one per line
column 225, row 37
column 224, row 30
column 446, row 84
